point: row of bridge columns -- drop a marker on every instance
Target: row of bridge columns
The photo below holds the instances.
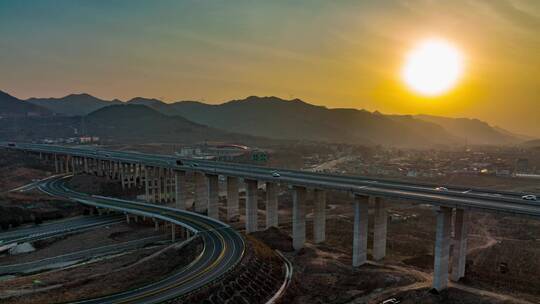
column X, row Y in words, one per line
column 161, row 225
column 166, row 185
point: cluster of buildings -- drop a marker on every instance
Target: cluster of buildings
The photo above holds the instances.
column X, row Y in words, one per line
column 224, row 152
column 71, row 140
column 433, row 163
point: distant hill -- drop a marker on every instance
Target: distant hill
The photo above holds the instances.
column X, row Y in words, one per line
column 535, row 143
column 13, row 107
column 474, row 131
column 74, row 104
column 126, row 123
column 276, row 118
column 134, row 122
column 150, row 102
column 272, row 117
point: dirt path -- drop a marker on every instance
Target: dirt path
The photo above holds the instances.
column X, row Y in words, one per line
column 329, row 165
column 425, row 279
column 490, row 240
column 485, row 293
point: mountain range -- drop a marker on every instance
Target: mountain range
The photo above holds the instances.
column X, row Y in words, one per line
column 13, row 107
column 268, row 117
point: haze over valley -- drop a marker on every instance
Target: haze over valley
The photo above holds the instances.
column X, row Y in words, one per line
column 267, row 117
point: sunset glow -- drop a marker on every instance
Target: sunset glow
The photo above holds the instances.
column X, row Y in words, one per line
column 433, row 67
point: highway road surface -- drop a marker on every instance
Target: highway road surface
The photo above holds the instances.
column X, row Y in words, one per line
column 461, row 197
column 79, row 256
column 56, row 228
column 222, row 251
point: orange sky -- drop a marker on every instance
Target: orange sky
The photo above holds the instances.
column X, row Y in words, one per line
column 333, row 53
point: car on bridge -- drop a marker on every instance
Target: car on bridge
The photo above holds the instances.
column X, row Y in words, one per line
column 441, row 189
column 529, row 197
column 276, row 174
column 179, row 162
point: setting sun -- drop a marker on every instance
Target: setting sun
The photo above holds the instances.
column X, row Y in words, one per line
column 433, row 67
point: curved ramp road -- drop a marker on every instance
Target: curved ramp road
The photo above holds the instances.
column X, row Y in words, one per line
column 223, row 246
column 462, row 197
column 56, row 228
column 75, row 257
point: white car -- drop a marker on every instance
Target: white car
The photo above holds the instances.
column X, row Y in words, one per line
column 441, row 189
column 276, row 174
column 529, row 197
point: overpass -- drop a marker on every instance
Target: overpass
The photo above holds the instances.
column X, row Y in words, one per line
column 164, row 178
column 223, row 247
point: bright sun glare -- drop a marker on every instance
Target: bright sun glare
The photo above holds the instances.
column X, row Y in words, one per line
column 433, row 67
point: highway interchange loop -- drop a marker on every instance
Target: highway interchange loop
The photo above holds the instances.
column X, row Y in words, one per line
column 223, row 247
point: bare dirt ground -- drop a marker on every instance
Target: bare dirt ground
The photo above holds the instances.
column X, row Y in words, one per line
column 19, row 208
column 106, row 276
column 18, row 170
column 323, row 273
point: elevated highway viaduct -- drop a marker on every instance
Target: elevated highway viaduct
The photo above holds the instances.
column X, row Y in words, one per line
column 223, row 247
column 164, row 179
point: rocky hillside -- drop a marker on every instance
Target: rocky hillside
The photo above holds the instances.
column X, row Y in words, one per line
column 73, row 105
column 13, row 107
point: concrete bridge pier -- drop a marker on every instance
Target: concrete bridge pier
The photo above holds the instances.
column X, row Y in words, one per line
column 380, row 221
column 232, row 198
column 442, row 248
column 213, row 195
column 147, row 184
column 154, row 185
column 159, row 186
column 61, row 164
column 165, row 182
column 251, row 205
column 201, row 195
column 459, row 253
column 299, row 217
column 129, row 176
column 123, row 175
column 74, row 165
column 172, row 185
column 319, row 216
column 113, row 169
column 179, row 192
column 56, row 164
column 70, row 163
column 66, row 163
column 271, row 205
column 165, row 185
column 107, row 169
column 360, row 230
